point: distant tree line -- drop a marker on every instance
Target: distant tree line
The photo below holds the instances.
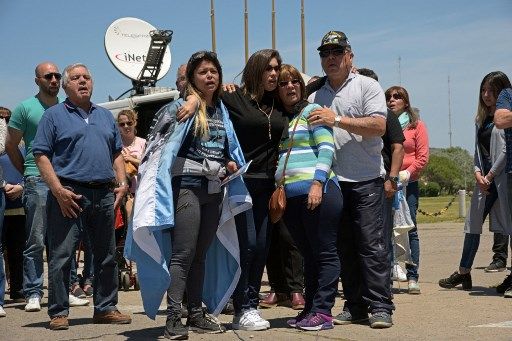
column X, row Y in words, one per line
column 448, row 171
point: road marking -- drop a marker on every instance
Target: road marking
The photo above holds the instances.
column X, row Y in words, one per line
column 506, row 324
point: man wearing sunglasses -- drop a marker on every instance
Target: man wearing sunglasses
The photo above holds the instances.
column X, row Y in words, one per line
column 355, row 107
column 23, row 125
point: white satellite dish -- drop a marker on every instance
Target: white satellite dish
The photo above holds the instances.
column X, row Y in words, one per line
column 127, row 41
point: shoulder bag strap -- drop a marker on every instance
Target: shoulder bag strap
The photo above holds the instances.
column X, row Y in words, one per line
column 290, row 147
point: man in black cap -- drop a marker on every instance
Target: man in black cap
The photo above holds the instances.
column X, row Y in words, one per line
column 355, row 107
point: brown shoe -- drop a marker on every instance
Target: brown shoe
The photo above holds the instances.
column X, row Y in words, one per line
column 111, row 317
column 297, row 301
column 273, row 299
column 59, row 323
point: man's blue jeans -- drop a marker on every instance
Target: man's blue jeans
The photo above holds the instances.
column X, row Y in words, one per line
column 2, row 273
column 88, row 271
column 97, row 217
column 34, row 201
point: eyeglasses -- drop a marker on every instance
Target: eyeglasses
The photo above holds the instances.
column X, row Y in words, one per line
column 49, row 76
column 125, row 124
column 201, row 55
column 334, row 52
column 269, row 68
column 395, row 96
column 282, row 84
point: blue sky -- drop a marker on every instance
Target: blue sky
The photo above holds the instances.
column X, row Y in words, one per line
column 464, row 39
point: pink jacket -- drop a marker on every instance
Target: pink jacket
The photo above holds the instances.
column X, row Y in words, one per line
column 416, row 150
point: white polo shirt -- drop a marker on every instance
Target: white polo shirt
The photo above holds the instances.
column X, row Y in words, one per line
column 356, row 158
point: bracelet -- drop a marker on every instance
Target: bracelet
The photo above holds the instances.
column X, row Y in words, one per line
column 121, row 184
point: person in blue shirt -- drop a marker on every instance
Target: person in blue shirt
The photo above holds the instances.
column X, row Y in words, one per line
column 77, row 149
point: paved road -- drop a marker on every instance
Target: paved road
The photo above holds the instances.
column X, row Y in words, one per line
column 436, row 314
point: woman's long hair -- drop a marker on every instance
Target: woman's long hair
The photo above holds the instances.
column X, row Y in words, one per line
column 412, row 112
column 253, row 72
column 201, row 118
column 497, row 81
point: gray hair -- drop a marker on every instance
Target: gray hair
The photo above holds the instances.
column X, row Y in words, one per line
column 65, row 74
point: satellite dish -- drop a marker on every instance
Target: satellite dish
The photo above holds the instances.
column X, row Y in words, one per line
column 127, row 41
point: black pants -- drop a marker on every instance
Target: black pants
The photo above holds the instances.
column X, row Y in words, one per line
column 500, row 247
column 285, row 268
column 196, row 221
column 14, row 243
column 365, row 267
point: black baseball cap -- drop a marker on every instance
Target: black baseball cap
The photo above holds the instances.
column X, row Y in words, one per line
column 334, row 38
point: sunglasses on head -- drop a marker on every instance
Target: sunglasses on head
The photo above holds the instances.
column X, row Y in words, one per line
column 395, row 96
column 334, row 52
column 125, row 124
column 49, row 76
column 282, row 84
column 270, row 68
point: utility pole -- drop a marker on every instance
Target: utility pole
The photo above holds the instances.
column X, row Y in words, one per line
column 273, row 25
column 303, row 35
column 246, row 25
column 212, row 19
column 399, row 71
column 449, row 112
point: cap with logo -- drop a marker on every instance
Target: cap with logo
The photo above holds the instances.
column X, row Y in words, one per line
column 334, row 38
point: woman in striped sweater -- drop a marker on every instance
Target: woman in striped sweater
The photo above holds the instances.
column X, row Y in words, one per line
column 314, row 202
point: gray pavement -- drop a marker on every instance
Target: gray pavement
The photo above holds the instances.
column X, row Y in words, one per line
column 436, row 314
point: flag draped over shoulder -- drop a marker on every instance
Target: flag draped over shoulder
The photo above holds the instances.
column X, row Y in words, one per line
column 148, row 240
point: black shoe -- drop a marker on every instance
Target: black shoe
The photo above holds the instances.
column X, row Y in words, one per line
column 507, row 282
column 174, row 329
column 381, row 320
column 229, row 309
column 345, row 317
column 496, row 266
column 456, row 279
column 201, row 322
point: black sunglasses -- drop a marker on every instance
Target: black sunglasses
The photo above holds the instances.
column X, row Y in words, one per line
column 334, row 52
column 282, row 84
column 125, row 124
column 395, row 96
column 49, row 76
column 270, row 68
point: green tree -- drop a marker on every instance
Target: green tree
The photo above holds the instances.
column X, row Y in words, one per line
column 444, row 171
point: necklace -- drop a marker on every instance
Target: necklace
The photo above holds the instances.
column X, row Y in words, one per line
column 268, row 118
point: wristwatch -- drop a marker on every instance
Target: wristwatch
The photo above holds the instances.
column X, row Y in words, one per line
column 337, row 121
column 393, row 179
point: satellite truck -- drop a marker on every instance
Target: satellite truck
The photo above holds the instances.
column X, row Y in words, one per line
column 140, row 52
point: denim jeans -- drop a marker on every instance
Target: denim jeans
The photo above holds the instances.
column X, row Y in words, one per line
column 365, row 267
column 88, row 271
column 412, row 197
column 316, row 234
column 253, row 228
column 472, row 240
column 97, row 217
column 2, row 273
column 34, row 201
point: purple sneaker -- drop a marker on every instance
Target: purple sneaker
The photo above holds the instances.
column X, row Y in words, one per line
column 316, row 321
column 300, row 316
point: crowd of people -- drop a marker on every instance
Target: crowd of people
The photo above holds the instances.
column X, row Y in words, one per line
column 196, row 192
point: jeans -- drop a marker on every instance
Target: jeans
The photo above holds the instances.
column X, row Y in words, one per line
column 88, row 270
column 315, row 232
column 365, row 267
column 2, row 272
column 472, row 240
column 34, row 201
column 196, row 221
column 253, row 228
column 97, row 217
column 285, row 268
column 412, row 197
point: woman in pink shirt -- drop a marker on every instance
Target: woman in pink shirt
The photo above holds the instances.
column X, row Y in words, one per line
column 415, row 159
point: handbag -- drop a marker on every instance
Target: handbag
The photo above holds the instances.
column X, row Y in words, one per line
column 130, row 169
column 277, row 202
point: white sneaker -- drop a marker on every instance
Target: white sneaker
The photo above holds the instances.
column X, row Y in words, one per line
column 34, row 303
column 414, row 287
column 398, row 274
column 2, row 312
column 250, row 320
column 77, row 302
